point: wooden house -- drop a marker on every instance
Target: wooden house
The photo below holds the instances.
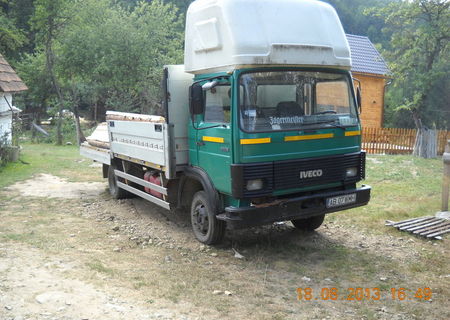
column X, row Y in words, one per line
column 369, row 67
column 10, row 83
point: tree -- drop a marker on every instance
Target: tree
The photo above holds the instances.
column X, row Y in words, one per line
column 11, row 37
column 48, row 20
column 354, row 21
column 418, row 51
column 33, row 72
column 181, row 4
column 20, row 11
column 118, row 53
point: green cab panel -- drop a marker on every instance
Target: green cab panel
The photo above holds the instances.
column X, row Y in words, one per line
column 214, row 155
column 210, row 135
column 217, row 141
column 278, row 146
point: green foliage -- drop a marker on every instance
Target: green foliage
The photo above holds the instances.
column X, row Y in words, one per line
column 4, row 149
column 11, row 37
column 181, row 4
column 49, row 17
column 67, row 130
column 351, row 13
column 19, row 13
column 120, row 53
column 9, row 144
column 33, row 72
column 102, row 54
column 16, row 132
column 418, row 52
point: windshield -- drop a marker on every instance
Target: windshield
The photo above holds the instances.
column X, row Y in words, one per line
column 295, row 100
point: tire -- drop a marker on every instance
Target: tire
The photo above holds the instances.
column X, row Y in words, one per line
column 207, row 229
column 114, row 190
column 308, row 224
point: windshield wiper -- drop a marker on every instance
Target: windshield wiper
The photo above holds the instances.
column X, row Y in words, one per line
column 325, row 112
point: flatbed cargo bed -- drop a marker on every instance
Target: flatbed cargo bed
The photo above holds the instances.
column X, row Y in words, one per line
column 95, row 153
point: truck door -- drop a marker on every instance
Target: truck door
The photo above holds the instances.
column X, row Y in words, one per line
column 214, row 136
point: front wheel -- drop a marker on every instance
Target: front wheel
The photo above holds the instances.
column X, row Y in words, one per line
column 207, row 229
column 308, row 224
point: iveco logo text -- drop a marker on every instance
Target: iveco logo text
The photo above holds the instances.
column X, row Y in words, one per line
column 311, row 174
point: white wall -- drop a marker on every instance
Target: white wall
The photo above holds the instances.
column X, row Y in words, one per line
column 3, row 105
column 5, row 115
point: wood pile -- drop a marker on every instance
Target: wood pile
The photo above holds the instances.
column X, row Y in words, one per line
column 125, row 116
column 99, row 138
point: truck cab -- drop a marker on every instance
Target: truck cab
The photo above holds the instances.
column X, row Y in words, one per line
column 274, row 114
column 278, row 144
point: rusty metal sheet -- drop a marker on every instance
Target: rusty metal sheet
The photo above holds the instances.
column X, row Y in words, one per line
column 416, row 224
column 435, row 235
column 406, row 222
column 426, row 226
column 438, row 228
column 429, row 227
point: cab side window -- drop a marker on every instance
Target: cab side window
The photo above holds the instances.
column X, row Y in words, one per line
column 217, row 104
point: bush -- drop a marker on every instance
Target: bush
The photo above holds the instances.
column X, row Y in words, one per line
column 5, row 150
column 67, row 129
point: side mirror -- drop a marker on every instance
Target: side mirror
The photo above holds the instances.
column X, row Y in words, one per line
column 358, row 98
column 196, row 103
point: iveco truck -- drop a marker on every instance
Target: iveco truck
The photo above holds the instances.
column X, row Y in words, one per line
column 261, row 122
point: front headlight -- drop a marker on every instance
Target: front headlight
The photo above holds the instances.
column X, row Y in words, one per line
column 256, row 184
column 351, row 172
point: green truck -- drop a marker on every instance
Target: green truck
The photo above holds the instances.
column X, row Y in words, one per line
column 261, row 122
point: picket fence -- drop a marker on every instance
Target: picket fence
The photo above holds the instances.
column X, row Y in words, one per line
column 396, row 140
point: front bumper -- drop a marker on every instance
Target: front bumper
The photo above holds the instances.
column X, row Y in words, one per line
column 292, row 208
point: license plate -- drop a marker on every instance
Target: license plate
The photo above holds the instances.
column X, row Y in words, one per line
column 341, row 200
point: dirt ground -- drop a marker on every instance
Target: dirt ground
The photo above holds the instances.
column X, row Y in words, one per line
column 69, row 251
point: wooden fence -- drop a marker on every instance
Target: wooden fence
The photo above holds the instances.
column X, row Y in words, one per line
column 397, row 141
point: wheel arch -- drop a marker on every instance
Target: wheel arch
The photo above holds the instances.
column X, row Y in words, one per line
column 196, row 179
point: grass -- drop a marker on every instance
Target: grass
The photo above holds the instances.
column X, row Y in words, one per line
column 98, row 266
column 264, row 282
column 63, row 161
column 403, row 187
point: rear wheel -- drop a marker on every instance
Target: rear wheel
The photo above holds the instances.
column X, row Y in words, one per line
column 308, row 224
column 114, row 190
column 206, row 227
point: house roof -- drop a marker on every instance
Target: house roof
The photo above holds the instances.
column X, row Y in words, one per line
column 9, row 80
column 365, row 57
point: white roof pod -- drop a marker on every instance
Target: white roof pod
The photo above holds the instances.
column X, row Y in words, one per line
column 222, row 35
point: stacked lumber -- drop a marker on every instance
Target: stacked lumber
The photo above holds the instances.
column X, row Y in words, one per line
column 99, row 138
column 429, row 227
column 125, row 116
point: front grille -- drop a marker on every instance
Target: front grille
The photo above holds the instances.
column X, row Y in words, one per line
column 287, row 173
column 282, row 175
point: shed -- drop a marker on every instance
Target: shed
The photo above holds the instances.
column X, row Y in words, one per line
column 369, row 67
column 10, row 83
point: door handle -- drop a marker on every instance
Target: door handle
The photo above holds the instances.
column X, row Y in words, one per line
column 200, row 143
